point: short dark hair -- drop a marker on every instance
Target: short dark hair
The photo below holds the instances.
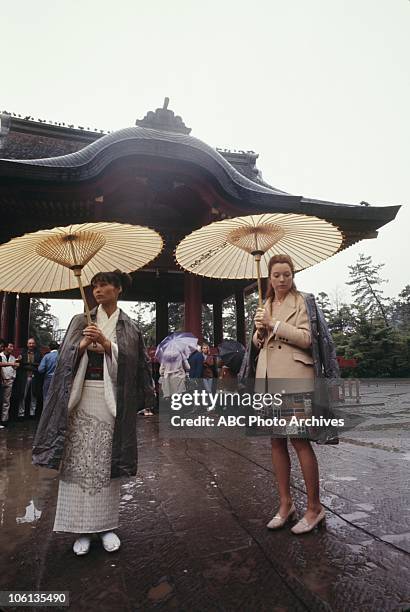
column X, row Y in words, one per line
column 53, row 346
column 2, row 341
column 118, row 279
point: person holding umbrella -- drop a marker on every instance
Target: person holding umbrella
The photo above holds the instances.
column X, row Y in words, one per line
column 283, row 341
column 88, row 425
column 172, row 354
column 173, row 370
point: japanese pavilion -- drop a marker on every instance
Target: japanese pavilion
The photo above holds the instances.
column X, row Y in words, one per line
column 154, row 174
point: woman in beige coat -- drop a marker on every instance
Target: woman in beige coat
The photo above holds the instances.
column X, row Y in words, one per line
column 283, row 340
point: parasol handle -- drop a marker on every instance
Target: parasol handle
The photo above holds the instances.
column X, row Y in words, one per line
column 258, row 255
column 77, row 274
column 76, row 268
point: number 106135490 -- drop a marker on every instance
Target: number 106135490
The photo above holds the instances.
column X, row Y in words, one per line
column 26, row 598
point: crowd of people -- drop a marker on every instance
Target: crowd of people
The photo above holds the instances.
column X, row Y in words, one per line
column 203, row 368
column 25, row 379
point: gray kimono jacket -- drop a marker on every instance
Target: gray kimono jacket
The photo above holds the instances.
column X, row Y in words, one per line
column 134, row 392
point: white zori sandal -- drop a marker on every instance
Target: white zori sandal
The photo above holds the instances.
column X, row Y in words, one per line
column 82, row 545
column 110, row 541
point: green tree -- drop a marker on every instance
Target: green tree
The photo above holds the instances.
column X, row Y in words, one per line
column 42, row 323
column 323, row 302
column 143, row 313
column 400, row 309
column 229, row 318
column 365, row 282
column 342, row 320
column 175, row 316
column 251, row 304
column 378, row 348
column 342, row 324
column 207, row 324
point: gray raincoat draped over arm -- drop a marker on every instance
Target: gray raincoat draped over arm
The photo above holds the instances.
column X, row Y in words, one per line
column 134, row 392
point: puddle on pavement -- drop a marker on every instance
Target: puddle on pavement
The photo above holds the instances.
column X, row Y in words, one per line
column 31, row 515
column 126, row 497
column 355, row 516
column 366, row 543
column 366, row 507
column 397, row 538
column 356, row 548
column 24, row 489
column 162, row 591
column 329, row 498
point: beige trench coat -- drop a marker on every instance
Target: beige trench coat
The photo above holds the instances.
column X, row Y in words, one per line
column 287, row 355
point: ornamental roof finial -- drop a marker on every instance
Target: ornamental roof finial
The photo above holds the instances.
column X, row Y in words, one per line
column 164, row 119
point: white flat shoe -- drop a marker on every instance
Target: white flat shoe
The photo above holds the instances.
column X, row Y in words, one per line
column 82, row 545
column 110, row 541
column 279, row 521
column 304, row 527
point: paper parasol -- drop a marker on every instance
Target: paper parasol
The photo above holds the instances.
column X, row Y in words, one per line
column 231, row 248
column 64, row 257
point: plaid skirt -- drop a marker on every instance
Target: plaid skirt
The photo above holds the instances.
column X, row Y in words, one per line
column 297, row 405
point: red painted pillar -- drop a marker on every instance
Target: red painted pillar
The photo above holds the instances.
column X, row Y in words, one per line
column 8, row 317
column 240, row 317
column 193, row 304
column 218, row 326
column 22, row 320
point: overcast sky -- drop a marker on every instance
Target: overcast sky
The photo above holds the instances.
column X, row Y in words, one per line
column 320, row 89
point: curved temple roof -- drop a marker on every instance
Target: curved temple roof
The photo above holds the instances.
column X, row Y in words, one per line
column 177, row 145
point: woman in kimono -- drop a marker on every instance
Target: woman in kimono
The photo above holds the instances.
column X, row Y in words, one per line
column 88, row 425
column 283, row 341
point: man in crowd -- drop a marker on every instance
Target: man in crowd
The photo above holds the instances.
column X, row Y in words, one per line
column 8, row 365
column 209, row 370
column 28, row 378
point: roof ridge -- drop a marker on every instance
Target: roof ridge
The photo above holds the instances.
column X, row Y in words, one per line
column 49, row 122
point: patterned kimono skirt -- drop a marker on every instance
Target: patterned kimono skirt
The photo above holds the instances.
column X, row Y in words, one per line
column 88, row 499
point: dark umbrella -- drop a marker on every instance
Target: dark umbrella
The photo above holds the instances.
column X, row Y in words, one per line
column 231, row 352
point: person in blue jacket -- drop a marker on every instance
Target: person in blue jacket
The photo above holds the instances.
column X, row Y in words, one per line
column 48, row 365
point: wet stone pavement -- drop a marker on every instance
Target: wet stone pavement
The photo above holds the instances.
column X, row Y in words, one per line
column 193, row 524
